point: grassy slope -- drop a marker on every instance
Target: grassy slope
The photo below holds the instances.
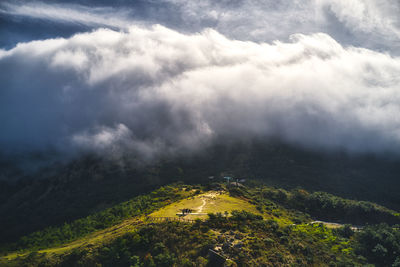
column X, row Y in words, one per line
column 220, row 202
column 92, row 240
column 136, row 207
column 79, row 188
column 210, row 202
column 291, row 224
column 214, row 202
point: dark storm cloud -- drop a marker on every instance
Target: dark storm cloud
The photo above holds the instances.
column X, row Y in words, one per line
column 158, row 91
column 121, row 84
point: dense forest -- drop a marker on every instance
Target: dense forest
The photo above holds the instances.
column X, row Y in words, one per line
column 63, row 192
column 280, row 234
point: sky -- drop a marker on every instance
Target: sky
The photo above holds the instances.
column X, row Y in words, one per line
column 160, row 77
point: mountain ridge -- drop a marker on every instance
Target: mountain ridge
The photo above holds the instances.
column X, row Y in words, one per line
column 235, row 215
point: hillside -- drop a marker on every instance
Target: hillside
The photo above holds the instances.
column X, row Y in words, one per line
column 68, row 191
column 184, row 225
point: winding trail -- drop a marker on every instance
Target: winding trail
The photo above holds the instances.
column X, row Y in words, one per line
column 204, row 198
column 200, row 209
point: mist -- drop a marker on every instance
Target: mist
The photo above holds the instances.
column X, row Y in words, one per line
column 137, row 82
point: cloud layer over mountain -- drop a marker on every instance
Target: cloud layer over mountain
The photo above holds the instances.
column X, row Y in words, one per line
column 154, row 90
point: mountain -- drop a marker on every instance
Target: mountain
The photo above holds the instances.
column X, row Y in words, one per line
column 63, row 192
column 219, row 225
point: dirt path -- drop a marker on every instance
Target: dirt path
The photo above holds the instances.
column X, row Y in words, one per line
column 337, row 225
column 200, row 209
column 206, row 198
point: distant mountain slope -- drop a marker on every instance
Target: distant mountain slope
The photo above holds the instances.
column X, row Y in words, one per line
column 64, row 192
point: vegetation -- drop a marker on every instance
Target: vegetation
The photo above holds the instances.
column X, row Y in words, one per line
column 319, row 205
column 210, row 202
column 64, row 192
column 140, row 205
column 254, row 225
column 245, row 238
column 380, row 244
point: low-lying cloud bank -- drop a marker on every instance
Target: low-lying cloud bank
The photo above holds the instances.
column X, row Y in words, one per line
column 155, row 91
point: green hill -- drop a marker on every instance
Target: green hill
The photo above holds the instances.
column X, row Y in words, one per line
column 64, row 192
column 251, row 225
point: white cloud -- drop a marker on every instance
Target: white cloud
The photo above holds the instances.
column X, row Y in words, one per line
column 67, row 13
column 374, row 24
column 370, row 23
column 159, row 91
column 378, row 17
column 103, row 137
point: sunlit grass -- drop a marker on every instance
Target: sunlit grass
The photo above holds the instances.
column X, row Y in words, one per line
column 202, row 204
column 210, row 202
column 91, row 240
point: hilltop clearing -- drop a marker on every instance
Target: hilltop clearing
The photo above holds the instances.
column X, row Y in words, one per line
column 201, row 205
column 72, row 190
column 224, row 226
